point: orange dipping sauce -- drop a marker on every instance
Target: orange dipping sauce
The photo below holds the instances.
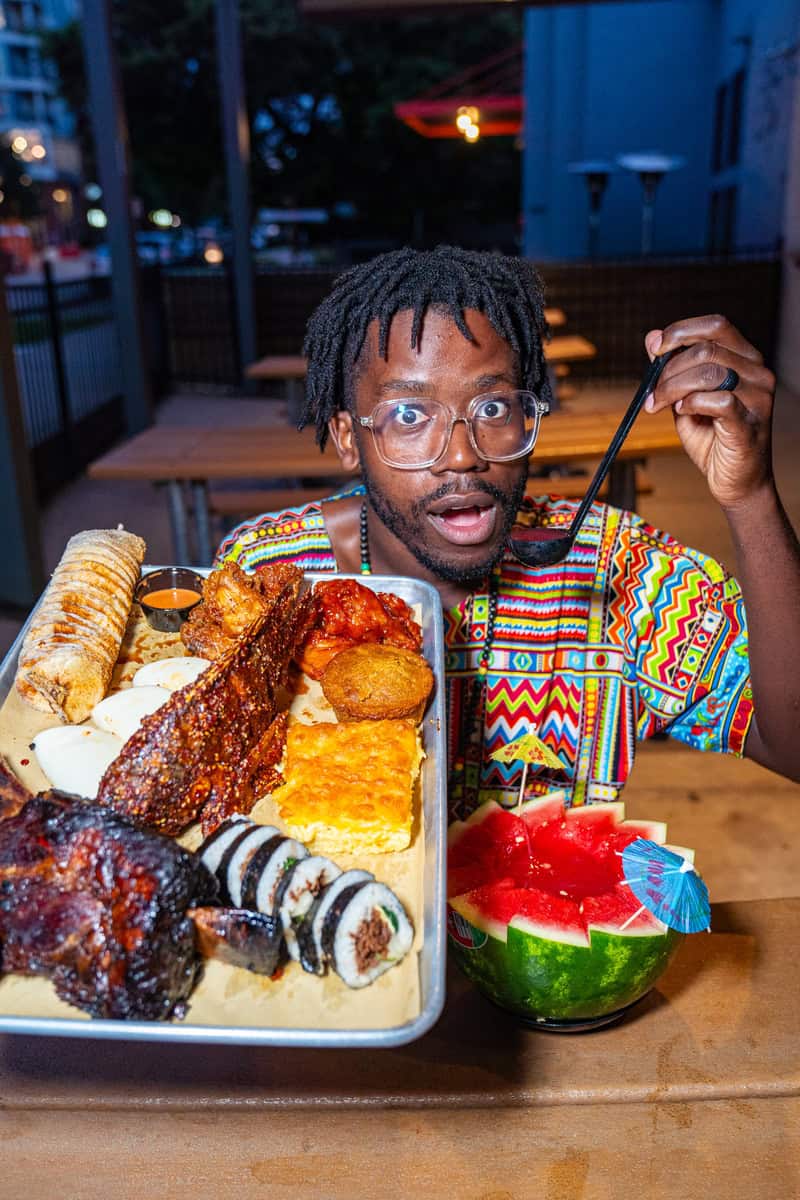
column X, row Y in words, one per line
column 171, row 598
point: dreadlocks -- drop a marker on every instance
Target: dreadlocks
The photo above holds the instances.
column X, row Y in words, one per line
column 508, row 291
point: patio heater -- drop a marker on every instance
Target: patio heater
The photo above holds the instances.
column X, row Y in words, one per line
column 595, row 173
column 651, row 169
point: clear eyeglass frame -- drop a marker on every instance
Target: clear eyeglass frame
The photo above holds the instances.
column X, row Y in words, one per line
column 538, row 408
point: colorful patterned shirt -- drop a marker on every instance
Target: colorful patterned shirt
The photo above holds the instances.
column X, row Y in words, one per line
column 631, row 635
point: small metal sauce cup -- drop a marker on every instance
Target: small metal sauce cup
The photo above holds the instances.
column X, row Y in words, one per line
column 167, row 620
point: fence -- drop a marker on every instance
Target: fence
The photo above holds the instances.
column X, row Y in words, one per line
column 66, row 353
column 68, row 362
column 612, row 303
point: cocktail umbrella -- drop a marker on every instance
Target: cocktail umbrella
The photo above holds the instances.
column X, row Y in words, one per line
column 667, row 885
column 530, row 750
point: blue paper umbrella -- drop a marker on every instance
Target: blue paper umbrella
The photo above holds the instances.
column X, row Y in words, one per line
column 667, row 884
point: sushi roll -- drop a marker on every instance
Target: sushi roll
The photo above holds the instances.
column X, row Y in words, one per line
column 265, row 870
column 365, row 932
column 309, row 932
column 298, row 890
column 215, row 845
column 235, row 861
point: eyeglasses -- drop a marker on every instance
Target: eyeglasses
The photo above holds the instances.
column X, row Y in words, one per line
column 413, row 433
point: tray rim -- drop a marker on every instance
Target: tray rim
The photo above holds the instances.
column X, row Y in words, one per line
column 431, row 958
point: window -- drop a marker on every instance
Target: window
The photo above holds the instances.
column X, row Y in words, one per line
column 19, row 62
column 24, row 107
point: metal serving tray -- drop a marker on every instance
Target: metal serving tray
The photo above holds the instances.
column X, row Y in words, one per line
column 431, row 957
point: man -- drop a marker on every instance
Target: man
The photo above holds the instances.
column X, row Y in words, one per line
column 427, row 371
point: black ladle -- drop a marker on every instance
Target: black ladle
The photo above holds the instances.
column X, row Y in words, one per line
column 541, row 545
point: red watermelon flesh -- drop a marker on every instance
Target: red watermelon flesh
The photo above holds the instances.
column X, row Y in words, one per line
column 572, row 854
column 495, row 848
column 619, row 911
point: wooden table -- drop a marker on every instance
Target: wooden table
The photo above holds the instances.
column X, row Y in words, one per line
column 694, row 1094
column 174, row 455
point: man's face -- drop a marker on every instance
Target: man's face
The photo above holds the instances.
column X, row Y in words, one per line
column 455, row 515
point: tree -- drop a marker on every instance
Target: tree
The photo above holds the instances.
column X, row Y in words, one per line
column 320, row 97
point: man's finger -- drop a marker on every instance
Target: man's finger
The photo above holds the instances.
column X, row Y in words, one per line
column 702, row 368
column 711, row 328
column 726, row 407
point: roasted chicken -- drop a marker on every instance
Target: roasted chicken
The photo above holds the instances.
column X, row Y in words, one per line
column 99, row 907
column 232, row 601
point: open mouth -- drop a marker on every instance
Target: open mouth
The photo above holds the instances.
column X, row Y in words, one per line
column 464, row 520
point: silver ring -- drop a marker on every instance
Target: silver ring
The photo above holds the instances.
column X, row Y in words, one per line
column 729, row 383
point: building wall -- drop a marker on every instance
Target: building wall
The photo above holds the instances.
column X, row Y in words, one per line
column 606, row 79
column 28, row 104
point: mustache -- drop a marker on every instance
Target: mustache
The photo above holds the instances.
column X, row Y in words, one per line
column 451, row 489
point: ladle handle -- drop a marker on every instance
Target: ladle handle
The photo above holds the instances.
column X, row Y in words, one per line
column 649, row 381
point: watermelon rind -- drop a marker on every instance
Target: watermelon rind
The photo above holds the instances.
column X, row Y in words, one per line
column 536, row 977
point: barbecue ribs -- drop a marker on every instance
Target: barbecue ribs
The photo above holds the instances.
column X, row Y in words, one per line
column 99, row 907
column 204, row 752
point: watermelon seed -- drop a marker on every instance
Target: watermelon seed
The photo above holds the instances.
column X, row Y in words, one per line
column 562, row 892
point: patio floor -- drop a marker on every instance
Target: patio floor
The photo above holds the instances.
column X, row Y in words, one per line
column 740, row 818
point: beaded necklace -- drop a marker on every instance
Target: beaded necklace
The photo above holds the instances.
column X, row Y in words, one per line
column 467, row 739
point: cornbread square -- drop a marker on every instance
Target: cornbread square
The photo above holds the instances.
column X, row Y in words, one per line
column 350, row 787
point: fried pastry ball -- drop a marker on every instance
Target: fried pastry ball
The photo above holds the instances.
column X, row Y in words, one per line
column 377, row 682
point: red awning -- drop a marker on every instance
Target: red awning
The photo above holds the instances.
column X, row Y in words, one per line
column 487, row 96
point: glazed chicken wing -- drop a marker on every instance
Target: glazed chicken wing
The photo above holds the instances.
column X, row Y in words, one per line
column 346, row 613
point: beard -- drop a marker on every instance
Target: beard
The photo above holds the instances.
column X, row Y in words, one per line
column 411, row 528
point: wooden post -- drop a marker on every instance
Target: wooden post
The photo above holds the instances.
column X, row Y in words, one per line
column 236, row 134
column 22, row 577
column 111, row 141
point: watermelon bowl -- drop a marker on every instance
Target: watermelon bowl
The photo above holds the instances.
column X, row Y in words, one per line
column 539, row 917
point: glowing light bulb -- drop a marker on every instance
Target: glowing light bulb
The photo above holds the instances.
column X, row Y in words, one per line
column 472, row 133
column 466, row 116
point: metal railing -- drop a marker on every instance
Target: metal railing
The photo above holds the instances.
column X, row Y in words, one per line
column 66, row 353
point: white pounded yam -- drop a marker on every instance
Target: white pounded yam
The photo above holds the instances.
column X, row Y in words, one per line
column 170, row 673
column 75, row 757
column 122, row 713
